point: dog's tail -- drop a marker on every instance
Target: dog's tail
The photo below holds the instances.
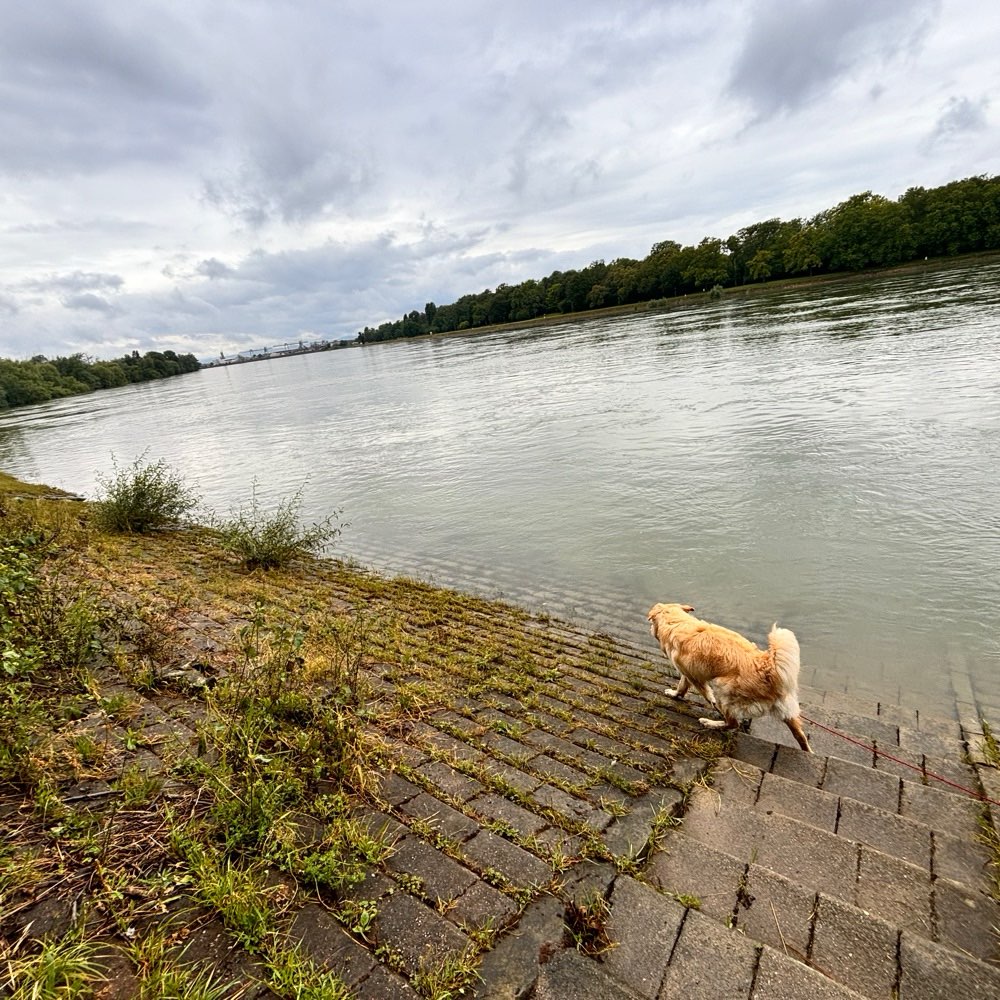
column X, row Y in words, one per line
column 784, row 647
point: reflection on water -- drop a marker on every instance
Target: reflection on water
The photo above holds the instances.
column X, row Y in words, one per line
column 825, row 457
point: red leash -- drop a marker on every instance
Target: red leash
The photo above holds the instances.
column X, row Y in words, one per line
column 913, row 767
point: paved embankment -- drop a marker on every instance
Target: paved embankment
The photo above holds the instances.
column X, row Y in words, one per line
column 574, row 841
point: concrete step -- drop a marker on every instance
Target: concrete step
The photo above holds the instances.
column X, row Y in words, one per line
column 759, row 810
column 932, row 829
column 818, row 899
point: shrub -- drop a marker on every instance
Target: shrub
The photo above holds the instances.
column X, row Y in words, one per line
column 269, row 540
column 143, row 496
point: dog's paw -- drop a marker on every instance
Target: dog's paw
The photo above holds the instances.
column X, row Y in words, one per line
column 713, row 723
column 673, row 693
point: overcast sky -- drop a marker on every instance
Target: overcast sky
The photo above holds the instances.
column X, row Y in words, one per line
column 214, row 175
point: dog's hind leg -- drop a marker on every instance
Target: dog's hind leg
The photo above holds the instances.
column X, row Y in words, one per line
column 681, row 689
column 795, row 725
column 709, row 695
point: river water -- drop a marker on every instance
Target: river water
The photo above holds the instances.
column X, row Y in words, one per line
column 826, row 457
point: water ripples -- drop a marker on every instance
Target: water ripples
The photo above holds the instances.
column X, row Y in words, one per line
column 827, row 457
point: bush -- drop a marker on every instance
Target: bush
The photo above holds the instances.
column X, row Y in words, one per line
column 269, row 540
column 143, row 496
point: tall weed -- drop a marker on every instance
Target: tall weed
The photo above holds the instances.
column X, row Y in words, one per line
column 142, row 496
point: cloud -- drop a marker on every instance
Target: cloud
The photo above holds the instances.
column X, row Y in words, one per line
column 213, row 269
column 795, row 51
column 84, row 88
column 76, row 281
column 87, row 300
column 959, row 115
column 228, row 174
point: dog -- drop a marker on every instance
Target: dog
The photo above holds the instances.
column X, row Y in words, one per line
column 748, row 681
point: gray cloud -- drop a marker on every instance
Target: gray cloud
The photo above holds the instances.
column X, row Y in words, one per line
column 87, row 300
column 960, row 114
column 76, row 281
column 209, row 176
column 797, row 50
column 84, row 87
column 213, row 269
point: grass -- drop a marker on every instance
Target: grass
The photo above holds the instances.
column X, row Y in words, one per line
column 317, row 674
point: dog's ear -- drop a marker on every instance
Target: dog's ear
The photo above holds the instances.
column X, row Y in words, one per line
column 687, row 608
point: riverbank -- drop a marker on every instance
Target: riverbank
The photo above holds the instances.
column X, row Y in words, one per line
column 322, row 782
column 730, row 293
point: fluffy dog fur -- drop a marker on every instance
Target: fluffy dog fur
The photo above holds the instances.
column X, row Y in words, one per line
column 748, row 681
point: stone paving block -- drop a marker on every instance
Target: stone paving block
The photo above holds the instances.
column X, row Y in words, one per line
column 494, row 807
column 482, row 906
column 897, row 714
column 551, row 768
column 794, row 764
column 830, row 745
column 862, row 783
column 776, row 911
column 856, row 951
column 782, row 978
column 374, row 885
column 571, row 974
column 863, row 727
column 912, row 768
column 887, row 832
column 559, row 844
column 966, row 920
column 453, row 783
column 946, row 729
column 895, row 891
column 932, row 972
column 440, row 876
column 490, row 851
column 504, row 746
column 789, row 798
column 450, row 822
column 709, row 962
column 953, row 769
column 381, row 984
column 686, row 867
column 957, row 815
column 731, row 829
column 688, row 770
column 518, row 779
column 416, row 932
column 324, row 941
column 509, row 971
column 737, row 781
column 629, row 835
column 380, row 825
column 754, row 751
column 808, row 856
column 571, row 808
column 644, row 926
column 586, row 879
column 395, row 789
column 960, row 860
column 450, row 746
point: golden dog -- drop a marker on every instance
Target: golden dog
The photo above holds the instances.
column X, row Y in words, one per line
column 748, row 681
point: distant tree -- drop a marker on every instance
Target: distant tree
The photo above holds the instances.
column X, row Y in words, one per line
column 760, row 266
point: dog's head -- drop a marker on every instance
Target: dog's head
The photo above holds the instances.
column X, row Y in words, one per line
column 666, row 614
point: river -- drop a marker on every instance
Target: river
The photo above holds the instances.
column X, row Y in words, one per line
column 828, row 457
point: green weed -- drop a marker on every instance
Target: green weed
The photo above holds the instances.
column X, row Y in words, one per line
column 141, row 497
column 263, row 539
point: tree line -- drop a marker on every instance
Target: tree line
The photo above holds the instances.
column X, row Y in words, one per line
column 865, row 231
column 39, row 380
